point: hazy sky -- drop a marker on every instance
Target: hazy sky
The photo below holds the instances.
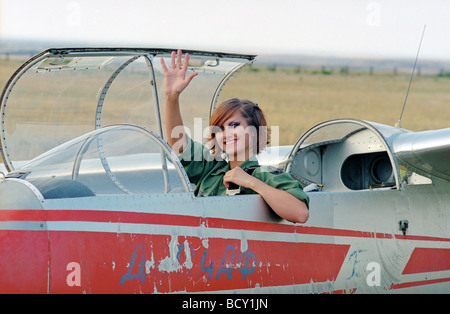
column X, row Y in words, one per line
column 344, row 27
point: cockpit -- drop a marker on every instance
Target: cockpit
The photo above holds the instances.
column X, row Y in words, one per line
column 117, row 159
column 83, row 122
column 344, row 155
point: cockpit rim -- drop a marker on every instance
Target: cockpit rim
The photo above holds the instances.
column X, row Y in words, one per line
column 89, row 137
column 364, row 125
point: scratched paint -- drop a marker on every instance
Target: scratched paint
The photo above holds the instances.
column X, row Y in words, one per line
column 197, row 268
column 164, row 263
column 171, row 263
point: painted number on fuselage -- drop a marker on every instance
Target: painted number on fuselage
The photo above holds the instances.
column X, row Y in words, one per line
column 216, row 262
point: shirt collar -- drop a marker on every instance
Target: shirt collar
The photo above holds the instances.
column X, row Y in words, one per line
column 249, row 163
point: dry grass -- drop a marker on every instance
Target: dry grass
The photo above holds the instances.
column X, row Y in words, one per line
column 297, row 101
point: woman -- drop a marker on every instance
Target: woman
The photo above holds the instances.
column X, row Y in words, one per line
column 239, row 132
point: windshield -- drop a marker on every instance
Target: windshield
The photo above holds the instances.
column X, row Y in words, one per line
column 331, row 133
column 119, row 159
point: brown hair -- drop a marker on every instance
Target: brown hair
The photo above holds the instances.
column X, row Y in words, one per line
column 249, row 110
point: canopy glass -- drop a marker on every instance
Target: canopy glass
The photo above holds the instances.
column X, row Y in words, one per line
column 61, row 94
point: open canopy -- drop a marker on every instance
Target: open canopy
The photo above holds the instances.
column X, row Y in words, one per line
column 61, row 94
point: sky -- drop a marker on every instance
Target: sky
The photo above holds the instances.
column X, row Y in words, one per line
column 383, row 28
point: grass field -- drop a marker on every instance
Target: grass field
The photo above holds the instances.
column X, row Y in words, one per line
column 295, row 101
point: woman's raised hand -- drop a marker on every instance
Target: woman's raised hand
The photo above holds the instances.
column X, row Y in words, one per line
column 175, row 77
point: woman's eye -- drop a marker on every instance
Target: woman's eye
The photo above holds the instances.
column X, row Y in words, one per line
column 235, row 124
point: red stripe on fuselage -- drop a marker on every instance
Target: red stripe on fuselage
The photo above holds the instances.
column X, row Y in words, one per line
column 425, row 260
column 163, row 263
column 413, row 284
column 24, row 261
column 193, row 221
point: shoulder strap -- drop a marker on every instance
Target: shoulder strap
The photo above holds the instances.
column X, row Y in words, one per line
column 250, row 170
column 234, row 189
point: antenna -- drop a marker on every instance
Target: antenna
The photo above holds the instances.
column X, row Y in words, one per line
column 399, row 122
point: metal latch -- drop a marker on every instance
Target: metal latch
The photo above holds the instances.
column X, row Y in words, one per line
column 403, row 226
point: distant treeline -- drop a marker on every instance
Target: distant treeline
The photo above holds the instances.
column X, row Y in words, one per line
column 345, row 70
column 311, row 66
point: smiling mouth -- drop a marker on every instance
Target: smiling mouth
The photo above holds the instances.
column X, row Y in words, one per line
column 230, row 142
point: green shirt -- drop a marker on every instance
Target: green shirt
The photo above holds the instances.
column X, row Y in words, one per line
column 207, row 174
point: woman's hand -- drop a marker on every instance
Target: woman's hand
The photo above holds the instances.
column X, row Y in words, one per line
column 283, row 203
column 175, row 77
column 238, row 176
column 175, row 82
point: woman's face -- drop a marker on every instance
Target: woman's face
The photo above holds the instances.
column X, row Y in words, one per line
column 237, row 138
